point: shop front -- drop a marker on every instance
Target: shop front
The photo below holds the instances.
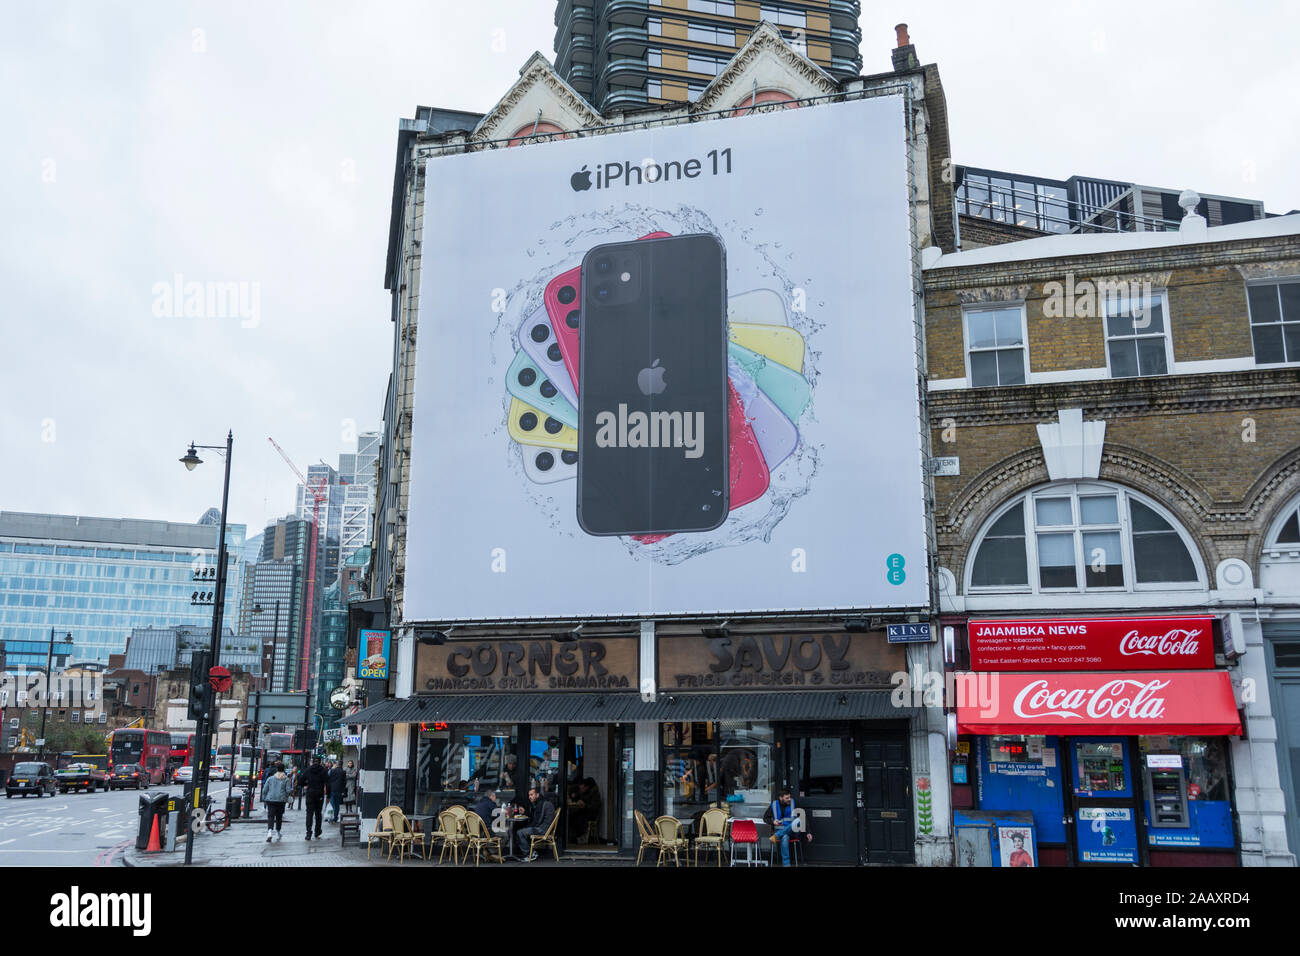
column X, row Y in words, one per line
column 1067, row 761
column 733, row 720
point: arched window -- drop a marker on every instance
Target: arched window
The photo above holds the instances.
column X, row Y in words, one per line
column 763, row 96
column 1285, row 533
column 1083, row 536
column 524, row 133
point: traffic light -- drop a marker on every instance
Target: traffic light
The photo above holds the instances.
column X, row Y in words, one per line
column 200, row 689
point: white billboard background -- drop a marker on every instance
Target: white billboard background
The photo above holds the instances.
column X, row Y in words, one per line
column 815, row 209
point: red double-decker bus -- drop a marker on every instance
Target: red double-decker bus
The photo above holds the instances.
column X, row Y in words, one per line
column 182, row 751
column 151, row 749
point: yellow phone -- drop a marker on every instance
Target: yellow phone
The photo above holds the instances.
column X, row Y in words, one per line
column 780, row 343
column 530, row 426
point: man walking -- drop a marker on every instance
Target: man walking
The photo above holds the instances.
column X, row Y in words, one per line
column 275, row 793
column 315, row 782
column 337, row 781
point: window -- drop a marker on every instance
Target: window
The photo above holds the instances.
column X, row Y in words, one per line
column 995, row 340
column 76, row 716
column 705, row 33
column 1286, row 533
column 1275, row 321
column 697, row 63
column 654, row 26
column 1137, row 340
column 1082, row 537
column 783, row 17
column 654, row 89
column 654, row 57
column 695, row 89
column 723, row 8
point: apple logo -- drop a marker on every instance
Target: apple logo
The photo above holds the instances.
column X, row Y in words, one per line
column 581, row 180
column 651, row 380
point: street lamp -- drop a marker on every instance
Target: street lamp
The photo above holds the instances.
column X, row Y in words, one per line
column 203, row 730
column 49, row 680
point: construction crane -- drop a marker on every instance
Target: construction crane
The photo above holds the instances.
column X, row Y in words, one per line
column 318, row 495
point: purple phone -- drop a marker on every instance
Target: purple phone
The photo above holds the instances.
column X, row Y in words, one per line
column 777, row 435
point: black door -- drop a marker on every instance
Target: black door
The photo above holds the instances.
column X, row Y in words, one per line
column 819, row 770
column 886, row 798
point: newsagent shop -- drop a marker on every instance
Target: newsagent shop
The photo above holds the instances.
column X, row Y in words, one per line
column 1095, row 742
column 735, row 717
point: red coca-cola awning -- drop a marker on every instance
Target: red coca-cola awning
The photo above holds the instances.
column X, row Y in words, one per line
column 1146, row 702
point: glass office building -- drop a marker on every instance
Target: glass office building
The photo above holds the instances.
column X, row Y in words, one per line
column 98, row 579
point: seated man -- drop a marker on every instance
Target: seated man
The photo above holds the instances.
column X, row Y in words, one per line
column 780, row 816
column 543, row 814
column 484, row 806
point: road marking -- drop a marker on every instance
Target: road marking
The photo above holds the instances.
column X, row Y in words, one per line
column 43, row 832
column 3, row 842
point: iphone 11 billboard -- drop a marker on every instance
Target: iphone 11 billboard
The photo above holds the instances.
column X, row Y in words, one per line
column 670, row 372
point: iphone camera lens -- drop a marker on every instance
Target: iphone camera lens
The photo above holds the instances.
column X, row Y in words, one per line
column 553, row 353
column 527, row 376
column 571, row 320
column 566, row 294
column 540, row 333
column 569, row 457
column 545, row 461
column 553, row 426
column 527, row 421
column 547, row 389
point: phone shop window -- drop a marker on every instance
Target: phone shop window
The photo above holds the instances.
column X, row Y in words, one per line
column 1015, row 749
column 996, row 348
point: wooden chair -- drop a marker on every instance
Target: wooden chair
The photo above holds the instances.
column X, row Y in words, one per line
column 671, row 839
column 649, row 838
column 479, row 838
column 545, row 839
column 713, row 830
column 454, row 836
column 403, row 835
column 382, row 833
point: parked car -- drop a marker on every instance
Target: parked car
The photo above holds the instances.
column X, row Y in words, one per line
column 81, row 776
column 128, row 775
column 27, row 778
column 183, row 775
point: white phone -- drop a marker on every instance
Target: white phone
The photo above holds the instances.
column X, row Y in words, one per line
column 757, row 307
column 546, row 466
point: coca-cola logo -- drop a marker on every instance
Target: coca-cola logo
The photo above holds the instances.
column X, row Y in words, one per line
column 1178, row 641
column 1114, row 700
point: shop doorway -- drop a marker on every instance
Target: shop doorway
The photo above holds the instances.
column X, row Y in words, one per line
column 1107, row 824
column 1283, row 658
column 596, row 787
column 855, row 788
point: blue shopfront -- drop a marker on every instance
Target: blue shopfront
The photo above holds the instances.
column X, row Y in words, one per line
column 1151, row 800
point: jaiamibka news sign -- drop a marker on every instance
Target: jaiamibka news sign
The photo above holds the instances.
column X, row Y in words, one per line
column 670, row 371
column 1079, row 644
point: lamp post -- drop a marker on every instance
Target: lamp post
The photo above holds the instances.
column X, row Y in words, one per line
column 45, row 704
column 203, row 731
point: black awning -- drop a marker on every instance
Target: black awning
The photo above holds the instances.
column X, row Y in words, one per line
column 617, row 708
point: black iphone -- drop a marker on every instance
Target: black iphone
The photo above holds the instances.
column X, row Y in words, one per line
column 653, row 402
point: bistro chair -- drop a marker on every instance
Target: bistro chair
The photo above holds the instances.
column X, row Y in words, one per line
column 403, row 835
column 671, row 839
column 480, row 837
column 545, row 839
column 382, row 832
column 744, row 834
column 454, row 835
column 649, row 838
column 713, row 830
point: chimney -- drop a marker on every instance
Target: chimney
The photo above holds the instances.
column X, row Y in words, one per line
column 904, row 54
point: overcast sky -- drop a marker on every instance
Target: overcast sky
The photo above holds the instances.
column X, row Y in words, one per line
column 254, row 143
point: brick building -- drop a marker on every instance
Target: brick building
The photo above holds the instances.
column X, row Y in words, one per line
column 1116, row 425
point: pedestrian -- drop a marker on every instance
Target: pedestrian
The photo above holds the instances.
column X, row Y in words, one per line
column 315, row 782
column 275, row 793
column 337, row 781
column 350, row 787
column 295, row 787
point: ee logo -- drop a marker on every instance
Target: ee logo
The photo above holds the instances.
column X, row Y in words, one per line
column 895, row 574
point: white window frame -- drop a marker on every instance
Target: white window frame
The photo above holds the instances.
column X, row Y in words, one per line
column 1250, row 322
column 1122, row 302
column 966, row 338
column 1076, row 489
column 654, row 88
column 654, row 26
column 1273, row 547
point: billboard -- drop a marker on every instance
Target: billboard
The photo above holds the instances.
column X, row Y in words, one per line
column 671, row 371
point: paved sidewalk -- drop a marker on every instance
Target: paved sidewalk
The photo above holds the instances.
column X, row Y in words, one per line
column 243, row 843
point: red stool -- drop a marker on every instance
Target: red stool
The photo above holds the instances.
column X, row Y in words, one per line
column 744, row 833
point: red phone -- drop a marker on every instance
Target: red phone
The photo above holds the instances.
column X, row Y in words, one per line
column 749, row 477
column 562, row 308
